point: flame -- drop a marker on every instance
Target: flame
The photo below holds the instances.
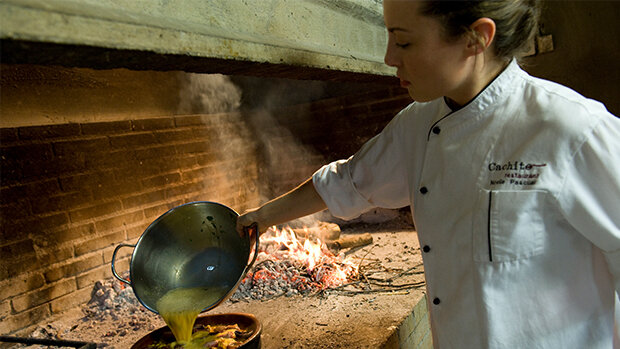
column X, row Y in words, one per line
column 326, row 269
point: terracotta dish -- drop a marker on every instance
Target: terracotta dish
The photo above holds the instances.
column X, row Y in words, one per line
column 244, row 321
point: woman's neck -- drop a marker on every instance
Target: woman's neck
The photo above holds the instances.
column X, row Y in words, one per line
column 482, row 75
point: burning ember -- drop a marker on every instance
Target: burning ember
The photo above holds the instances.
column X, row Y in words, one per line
column 288, row 265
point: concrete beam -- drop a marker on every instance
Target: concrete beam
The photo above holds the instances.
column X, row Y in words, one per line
column 345, row 36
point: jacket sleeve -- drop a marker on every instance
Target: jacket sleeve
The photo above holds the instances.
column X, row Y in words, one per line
column 374, row 177
column 590, row 196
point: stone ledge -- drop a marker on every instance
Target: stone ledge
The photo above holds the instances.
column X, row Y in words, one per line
column 345, row 35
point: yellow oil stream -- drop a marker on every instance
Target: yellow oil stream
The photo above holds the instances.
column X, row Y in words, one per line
column 180, row 307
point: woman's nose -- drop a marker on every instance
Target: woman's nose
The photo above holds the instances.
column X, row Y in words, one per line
column 390, row 58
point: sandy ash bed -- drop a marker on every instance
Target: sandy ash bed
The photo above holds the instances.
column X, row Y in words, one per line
column 363, row 314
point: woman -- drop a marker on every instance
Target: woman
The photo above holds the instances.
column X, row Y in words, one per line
column 513, row 182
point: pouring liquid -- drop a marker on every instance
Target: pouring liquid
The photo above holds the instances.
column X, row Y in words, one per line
column 180, row 307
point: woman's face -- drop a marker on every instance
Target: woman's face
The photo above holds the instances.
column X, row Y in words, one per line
column 427, row 65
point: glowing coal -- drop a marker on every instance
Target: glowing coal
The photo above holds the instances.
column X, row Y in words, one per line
column 287, row 265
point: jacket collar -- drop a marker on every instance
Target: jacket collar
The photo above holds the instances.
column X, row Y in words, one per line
column 493, row 94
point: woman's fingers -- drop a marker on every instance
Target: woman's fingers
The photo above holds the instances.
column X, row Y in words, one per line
column 246, row 221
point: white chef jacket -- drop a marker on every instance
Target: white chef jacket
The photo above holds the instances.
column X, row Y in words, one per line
column 516, row 199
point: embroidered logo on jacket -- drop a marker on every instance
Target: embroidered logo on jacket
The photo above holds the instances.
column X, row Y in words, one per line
column 514, row 173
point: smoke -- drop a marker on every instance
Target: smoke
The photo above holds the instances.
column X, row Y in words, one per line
column 248, row 129
column 207, row 94
column 286, row 162
column 218, row 99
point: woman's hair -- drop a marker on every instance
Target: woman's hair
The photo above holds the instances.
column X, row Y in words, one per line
column 516, row 21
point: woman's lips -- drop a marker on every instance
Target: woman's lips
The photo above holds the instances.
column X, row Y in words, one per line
column 404, row 83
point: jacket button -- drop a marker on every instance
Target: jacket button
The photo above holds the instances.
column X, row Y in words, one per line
column 436, row 301
column 436, row 130
column 423, row 190
column 426, row 248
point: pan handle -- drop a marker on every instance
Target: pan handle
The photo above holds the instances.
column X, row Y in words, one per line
column 252, row 230
column 114, row 259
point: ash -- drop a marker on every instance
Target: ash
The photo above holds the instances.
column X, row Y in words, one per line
column 274, row 277
column 271, row 279
column 110, row 296
column 113, row 313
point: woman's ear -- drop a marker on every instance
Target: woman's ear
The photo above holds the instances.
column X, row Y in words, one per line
column 482, row 35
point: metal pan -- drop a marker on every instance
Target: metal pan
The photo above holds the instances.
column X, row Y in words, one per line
column 195, row 245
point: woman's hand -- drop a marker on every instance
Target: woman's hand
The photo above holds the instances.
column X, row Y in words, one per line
column 247, row 219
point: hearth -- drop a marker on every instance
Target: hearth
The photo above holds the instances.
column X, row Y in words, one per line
column 109, row 120
column 384, row 308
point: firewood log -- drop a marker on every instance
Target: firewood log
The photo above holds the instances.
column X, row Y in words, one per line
column 323, row 230
column 350, row 241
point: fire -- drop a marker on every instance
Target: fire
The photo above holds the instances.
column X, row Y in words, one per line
column 313, row 257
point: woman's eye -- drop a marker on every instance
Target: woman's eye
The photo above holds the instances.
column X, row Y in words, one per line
column 402, row 45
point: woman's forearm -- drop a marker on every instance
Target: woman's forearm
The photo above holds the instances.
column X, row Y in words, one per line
column 301, row 201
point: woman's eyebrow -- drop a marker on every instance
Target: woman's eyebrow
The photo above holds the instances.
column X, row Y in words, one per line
column 393, row 29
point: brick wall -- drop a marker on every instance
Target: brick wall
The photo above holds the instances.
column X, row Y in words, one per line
column 71, row 192
column 335, row 128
